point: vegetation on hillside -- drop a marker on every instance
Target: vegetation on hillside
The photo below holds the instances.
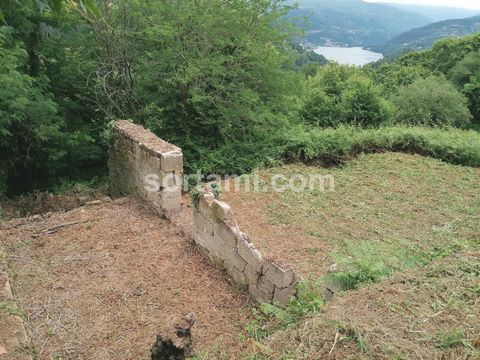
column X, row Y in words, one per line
column 425, row 36
column 354, row 22
column 224, row 82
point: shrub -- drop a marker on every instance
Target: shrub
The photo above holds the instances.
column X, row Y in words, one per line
column 432, row 102
column 342, row 95
column 335, row 146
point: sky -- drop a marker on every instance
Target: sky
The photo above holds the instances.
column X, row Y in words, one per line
column 467, row 4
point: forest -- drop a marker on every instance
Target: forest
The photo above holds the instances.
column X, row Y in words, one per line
column 225, row 80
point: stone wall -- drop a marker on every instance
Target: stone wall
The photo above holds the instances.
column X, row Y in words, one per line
column 140, row 163
column 217, row 233
column 137, row 157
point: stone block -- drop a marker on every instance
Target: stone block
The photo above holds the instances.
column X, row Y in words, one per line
column 232, row 259
column 204, row 208
column 201, row 223
column 251, row 274
column 208, row 242
column 278, row 276
column 225, row 233
column 238, row 277
column 172, row 161
column 250, row 254
column 222, row 211
column 283, row 296
column 258, row 295
column 266, row 286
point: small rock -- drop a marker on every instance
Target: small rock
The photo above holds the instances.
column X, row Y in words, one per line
column 94, row 203
column 333, row 268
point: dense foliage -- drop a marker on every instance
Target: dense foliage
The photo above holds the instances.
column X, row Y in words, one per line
column 223, row 80
column 343, row 95
column 432, row 102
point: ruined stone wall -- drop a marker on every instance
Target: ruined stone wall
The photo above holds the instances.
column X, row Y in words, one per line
column 140, row 163
column 136, row 154
column 216, row 231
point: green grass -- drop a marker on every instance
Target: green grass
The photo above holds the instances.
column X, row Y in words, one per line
column 389, row 212
column 10, row 308
column 452, row 339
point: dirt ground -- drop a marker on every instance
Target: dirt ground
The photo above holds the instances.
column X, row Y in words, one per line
column 100, row 282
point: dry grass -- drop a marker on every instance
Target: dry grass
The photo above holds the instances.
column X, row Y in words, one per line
column 103, row 285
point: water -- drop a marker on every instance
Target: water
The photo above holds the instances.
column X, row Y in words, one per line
column 348, row 55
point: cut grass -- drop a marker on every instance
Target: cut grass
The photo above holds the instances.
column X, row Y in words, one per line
column 389, row 212
column 426, row 313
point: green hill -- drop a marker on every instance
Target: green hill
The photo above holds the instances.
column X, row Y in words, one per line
column 424, row 37
column 437, row 13
column 355, row 22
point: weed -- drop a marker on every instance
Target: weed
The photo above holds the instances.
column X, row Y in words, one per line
column 195, row 194
column 353, row 333
column 29, row 350
column 12, row 309
column 452, row 339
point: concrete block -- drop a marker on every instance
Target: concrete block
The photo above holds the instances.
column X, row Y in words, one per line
column 172, row 161
column 278, row 276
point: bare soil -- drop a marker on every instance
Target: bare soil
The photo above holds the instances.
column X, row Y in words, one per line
column 100, row 282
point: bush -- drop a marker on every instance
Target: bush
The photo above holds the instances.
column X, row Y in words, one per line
column 336, row 146
column 432, row 102
column 342, row 95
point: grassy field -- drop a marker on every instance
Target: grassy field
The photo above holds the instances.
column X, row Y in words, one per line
column 401, row 232
column 389, row 212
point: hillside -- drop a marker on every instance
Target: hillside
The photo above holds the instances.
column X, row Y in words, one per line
column 437, row 13
column 354, row 22
column 424, row 37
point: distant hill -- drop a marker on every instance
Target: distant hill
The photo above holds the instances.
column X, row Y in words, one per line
column 424, row 37
column 355, row 22
column 437, row 13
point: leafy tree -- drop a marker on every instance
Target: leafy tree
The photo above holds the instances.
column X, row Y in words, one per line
column 29, row 124
column 462, row 72
column 343, row 95
column 362, row 103
column 472, row 91
column 432, row 102
column 392, row 76
column 210, row 73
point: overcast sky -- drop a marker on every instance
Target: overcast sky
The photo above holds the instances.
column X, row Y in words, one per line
column 468, row 4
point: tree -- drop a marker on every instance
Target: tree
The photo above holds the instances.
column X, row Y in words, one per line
column 393, row 76
column 29, row 125
column 343, row 95
column 432, row 102
column 210, row 73
column 472, row 91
